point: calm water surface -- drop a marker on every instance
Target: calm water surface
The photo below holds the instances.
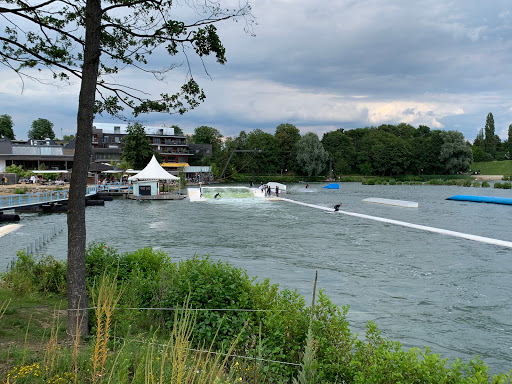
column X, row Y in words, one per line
column 421, row 288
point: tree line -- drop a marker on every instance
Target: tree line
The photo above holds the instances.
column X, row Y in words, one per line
column 386, row 150
column 488, row 146
column 40, row 129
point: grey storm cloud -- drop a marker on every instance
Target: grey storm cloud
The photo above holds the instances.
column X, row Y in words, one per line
column 322, row 65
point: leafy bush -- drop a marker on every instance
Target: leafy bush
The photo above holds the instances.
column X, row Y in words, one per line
column 277, row 331
column 17, row 169
column 210, row 285
column 485, row 184
column 29, row 275
column 348, row 179
column 498, row 185
column 410, row 178
column 466, row 183
column 507, row 185
column 140, row 271
column 435, row 182
column 21, row 190
column 476, row 184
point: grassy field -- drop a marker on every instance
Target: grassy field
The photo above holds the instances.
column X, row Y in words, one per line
column 493, row 167
column 26, row 322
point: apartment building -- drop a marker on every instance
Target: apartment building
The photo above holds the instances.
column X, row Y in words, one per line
column 107, row 144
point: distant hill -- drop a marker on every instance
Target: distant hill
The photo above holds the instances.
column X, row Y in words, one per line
column 493, row 167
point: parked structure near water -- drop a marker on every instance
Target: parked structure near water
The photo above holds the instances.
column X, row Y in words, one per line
column 32, row 154
column 107, row 147
column 107, row 144
column 146, row 183
column 174, row 150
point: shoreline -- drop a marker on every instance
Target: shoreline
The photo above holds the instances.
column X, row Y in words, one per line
column 6, row 190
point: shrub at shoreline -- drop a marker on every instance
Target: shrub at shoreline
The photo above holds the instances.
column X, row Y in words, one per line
column 210, row 306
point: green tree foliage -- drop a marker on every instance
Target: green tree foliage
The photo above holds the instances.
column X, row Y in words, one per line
column 90, row 41
column 479, row 154
column 490, row 137
column 18, row 170
column 137, row 150
column 208, row 135
column 267, row 160
column 68, row 137
column 479, row 139
column 390, row 154
column 311, row 155
column 6, row 127
column 435, row 165
column 41, row 129
column 509, row 142
column 341, row 151
column 287, row 136
column 238, row 161
column 419, row 156
column 455, row 153
column 401, row 130
column 177, row 130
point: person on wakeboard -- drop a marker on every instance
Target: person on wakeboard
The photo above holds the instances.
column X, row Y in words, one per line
column 217, row 196
column 337, row 207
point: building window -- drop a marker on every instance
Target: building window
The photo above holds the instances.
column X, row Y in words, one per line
column 117, row 129
column 105, row 139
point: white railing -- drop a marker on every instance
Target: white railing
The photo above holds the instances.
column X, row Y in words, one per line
column 27, row 199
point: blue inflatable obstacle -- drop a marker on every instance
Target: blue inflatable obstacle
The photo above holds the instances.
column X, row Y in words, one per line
column 332, row 186
column 482, row 199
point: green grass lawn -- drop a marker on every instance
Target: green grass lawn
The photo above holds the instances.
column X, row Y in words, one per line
column 26, row 323
column 493, row 167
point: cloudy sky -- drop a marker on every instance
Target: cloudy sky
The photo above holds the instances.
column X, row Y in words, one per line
column 323, row 64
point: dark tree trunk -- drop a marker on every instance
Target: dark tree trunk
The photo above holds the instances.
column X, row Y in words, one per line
column 76, row 289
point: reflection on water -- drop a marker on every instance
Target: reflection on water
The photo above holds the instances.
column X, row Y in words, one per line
column 421, row 288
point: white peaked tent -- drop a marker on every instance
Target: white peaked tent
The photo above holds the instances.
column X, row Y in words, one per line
column 153, row 171
column 146, row 181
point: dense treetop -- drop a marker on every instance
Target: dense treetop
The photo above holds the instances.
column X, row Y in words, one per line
column 387, row 150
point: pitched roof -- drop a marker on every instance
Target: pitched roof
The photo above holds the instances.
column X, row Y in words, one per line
column 153, row 171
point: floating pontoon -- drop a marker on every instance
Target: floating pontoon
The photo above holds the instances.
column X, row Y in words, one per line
column 482, row 199
column 397, row 203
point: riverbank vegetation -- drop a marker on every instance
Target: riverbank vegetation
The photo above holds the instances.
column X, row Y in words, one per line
column 385, row 151
column 503, row 167
column 195, row 321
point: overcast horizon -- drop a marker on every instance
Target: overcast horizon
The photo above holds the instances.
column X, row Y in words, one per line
column 324, row 65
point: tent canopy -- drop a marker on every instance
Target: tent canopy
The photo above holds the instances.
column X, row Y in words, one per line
column 153, row 171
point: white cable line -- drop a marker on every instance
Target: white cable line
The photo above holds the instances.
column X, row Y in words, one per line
column 188, row 309
column 217, row 309
column 481, row 239
column 217, row 353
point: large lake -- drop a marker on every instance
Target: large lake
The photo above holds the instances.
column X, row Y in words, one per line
column 421, row 288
